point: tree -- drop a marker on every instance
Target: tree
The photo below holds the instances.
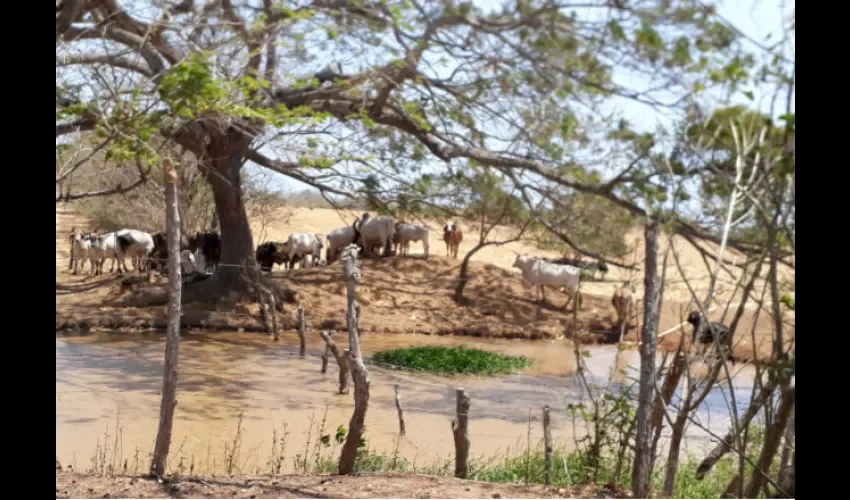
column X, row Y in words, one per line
column 580, row 221
column 490, row 206
column 217, row 94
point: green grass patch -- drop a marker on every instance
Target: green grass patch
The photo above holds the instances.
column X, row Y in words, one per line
column 451, row 360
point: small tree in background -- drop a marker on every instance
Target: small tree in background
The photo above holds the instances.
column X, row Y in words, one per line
column 582, row 219
column 489, row 205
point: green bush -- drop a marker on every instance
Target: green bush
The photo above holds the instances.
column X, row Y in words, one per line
column 450, row 360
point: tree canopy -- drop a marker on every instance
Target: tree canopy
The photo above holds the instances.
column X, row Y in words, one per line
column 381, row 97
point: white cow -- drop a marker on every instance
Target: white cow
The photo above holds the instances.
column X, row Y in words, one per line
column 102, row 248
column 302, row 245
column 338, row 239
column 80, row 247
column 134, row 244
column 407, row 233
column 540, row 273
column 376, row 232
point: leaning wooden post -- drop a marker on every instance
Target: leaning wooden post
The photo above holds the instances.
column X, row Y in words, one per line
column 302, row 331
column 547, row 441
column 460, row 429
column 172, row 342
column 401, row 430
column 351, row 271
column 341, row 360
column 327, row 354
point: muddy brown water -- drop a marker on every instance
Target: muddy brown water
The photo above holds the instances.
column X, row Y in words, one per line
column 106, row 382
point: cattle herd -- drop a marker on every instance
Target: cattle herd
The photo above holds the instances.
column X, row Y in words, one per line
column 201, row 253
column 145, row 250
column 375, row 235
column 379, row 235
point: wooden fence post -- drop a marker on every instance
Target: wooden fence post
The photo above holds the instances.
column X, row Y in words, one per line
column 327, row 354
column 172, row 342
column 351, row 271
column 341, row 360
column 401, row 430
column 460, row 429
column 547, row 441
column 302, row 331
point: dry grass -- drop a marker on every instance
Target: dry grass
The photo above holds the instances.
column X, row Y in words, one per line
column 408, row 295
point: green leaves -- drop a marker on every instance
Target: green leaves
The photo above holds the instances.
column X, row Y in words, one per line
column 189, row 87
column 568, row 125
column 616, row 30
column 790, row 120
column 682, row 51
column 649, row 42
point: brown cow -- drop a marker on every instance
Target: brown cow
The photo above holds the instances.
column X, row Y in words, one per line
column 452, row 235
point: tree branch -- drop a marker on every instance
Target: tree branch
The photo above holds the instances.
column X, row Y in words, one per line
column 132, row 40
column 106, row 192
column 68, row 12
column 291, row 170
column 111, row 60
column 78, row 125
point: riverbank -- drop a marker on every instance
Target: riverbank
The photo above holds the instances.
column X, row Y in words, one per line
column 75, row 485
column 408, row 295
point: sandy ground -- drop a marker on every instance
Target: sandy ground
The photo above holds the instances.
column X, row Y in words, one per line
column 412, row 294
column 71, row 485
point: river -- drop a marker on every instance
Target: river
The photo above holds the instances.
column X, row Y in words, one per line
column 107, row 381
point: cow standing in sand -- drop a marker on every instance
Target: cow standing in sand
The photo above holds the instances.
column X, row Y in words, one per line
column 452, row 235
column 375, row 232
column 407, row 233
column 80, row 245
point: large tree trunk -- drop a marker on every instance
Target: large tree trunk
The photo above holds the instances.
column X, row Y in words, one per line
column 237, row 243
column 222, row 148
column 640, row 473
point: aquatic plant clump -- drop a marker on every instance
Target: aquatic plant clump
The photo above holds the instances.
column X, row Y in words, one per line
column 450, row 360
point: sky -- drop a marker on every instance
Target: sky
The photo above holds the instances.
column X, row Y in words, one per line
column 755, row 18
